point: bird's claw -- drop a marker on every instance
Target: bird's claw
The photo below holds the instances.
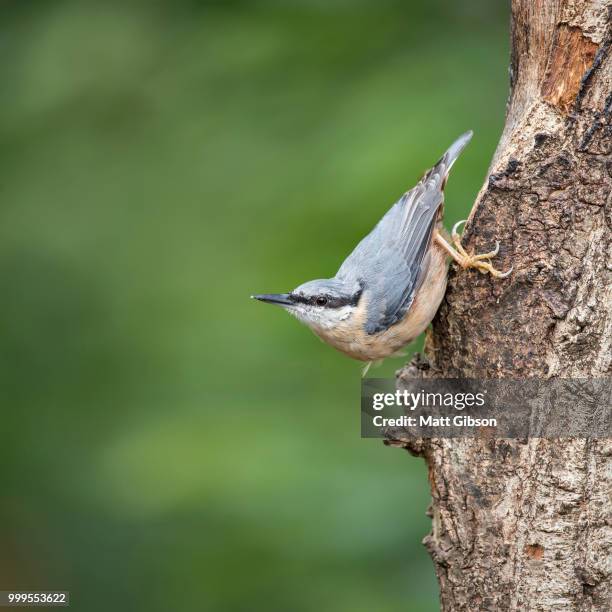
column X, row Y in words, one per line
column 455, row 233
column 482, row 261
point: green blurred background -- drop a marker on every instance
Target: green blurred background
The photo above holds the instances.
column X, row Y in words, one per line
column 168, row 444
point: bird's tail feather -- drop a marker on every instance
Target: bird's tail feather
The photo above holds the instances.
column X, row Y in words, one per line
column 453, row 152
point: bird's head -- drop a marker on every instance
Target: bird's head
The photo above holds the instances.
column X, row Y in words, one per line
column 321, row 304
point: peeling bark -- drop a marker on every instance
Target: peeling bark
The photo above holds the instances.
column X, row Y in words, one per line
column 525, row 524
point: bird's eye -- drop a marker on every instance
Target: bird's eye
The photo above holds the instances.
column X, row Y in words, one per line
column 321, row 300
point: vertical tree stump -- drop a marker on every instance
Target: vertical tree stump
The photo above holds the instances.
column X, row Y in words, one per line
column 525, row 525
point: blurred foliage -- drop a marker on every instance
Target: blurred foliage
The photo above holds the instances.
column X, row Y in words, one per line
column 167, row 443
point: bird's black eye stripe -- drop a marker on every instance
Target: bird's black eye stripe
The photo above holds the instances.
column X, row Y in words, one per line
column 298, row 298
column 328, row 301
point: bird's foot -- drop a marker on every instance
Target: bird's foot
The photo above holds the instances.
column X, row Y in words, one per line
column 365, row 368
column 368, row 365
column 482, row 261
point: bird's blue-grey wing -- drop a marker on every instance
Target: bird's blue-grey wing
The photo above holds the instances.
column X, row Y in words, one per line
column 392, row 260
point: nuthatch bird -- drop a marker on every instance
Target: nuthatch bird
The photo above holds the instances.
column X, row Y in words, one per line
column 389, row 288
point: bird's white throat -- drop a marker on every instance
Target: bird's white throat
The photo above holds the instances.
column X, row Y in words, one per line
column 321, row 318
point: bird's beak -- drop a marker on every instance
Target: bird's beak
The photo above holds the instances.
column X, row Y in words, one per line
column 282, row 299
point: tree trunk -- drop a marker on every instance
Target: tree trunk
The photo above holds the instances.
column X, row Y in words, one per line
column 524, row 524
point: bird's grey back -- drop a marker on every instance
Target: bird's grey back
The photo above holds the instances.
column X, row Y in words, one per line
column 390, row 262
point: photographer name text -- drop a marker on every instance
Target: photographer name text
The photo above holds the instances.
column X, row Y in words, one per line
column 431, row 421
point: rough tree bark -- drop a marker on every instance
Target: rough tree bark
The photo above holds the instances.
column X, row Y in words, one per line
column 525, row 524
